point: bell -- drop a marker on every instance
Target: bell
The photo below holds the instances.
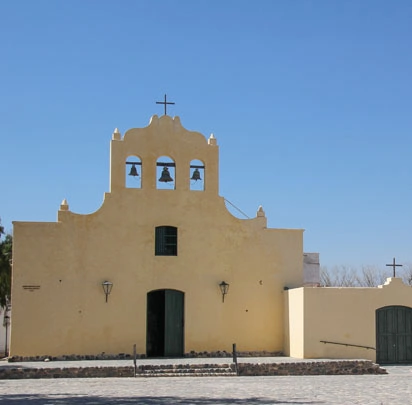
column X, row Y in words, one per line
column 165, row 177
column 196, row 175
column 133, row 171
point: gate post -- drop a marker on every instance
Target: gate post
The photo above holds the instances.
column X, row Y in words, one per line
column 134, row 359
column 235, row 357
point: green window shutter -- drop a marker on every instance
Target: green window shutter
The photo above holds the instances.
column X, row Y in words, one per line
column 166, row 241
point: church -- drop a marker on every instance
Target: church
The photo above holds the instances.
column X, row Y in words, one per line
column 163, row 265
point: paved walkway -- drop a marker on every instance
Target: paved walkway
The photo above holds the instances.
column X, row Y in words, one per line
column 394, row 388
column 121, row 363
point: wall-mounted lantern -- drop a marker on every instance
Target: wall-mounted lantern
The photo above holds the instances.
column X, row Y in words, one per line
column 224, row 288
column 107, row 288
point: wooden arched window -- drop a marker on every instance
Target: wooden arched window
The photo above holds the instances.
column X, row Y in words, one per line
column 166, row 241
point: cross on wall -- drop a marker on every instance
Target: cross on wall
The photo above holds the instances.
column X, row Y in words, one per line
column 165, row 103
column 394, row 266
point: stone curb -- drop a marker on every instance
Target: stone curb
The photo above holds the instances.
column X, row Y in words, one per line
column 348, row 367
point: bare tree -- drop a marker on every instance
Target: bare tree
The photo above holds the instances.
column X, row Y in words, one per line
column 406, row 274
column 371, row 276
column 339, row 276
column 367, row 276
column 325, row 277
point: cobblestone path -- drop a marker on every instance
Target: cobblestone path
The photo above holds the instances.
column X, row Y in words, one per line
column 394, row 388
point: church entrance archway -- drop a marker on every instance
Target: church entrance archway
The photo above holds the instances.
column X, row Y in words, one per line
column 165, row 323
column 394, row 334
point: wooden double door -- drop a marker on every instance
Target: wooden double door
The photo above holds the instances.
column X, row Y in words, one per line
column 165, row 323
column 394, row 335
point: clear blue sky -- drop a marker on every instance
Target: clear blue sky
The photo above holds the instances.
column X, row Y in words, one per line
column 310, row 102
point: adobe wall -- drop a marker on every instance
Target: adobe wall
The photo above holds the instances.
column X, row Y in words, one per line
column 341, row 315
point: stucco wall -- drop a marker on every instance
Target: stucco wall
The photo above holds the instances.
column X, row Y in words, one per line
column 294, row 326
column 342, row 315
column 67, row 261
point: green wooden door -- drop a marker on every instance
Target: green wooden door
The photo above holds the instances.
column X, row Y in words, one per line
column 174, row 323
column 394, row 335
column 165, row 323
column 155, row 320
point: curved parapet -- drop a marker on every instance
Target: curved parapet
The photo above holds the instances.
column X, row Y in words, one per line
column 164, row 136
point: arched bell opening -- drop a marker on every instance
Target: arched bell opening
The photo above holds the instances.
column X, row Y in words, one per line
column 165, row 173
column 133, row 168
column 197, row 175
column 133, row 172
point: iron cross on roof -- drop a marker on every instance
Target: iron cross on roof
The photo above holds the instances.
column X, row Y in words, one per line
column 394, row 265
column 165, row 103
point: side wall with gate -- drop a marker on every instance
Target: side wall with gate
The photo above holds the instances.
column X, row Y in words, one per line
column 338, row 315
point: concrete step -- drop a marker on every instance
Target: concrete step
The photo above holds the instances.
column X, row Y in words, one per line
column 187, row 370
column 186, row 375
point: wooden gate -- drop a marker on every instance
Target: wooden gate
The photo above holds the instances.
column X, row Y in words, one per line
column 394, row 335
column 165, row 323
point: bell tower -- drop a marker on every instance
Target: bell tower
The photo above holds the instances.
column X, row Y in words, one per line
column 164, row 155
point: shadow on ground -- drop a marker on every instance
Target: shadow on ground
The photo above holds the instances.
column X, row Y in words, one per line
column 63, row 399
